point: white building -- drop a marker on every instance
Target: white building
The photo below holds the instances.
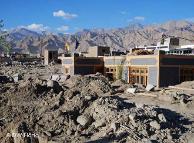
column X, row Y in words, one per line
column 165, row 45
column 168, row 44
column 187, row 46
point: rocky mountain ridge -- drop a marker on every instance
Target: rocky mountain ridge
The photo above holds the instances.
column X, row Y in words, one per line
column 119, row 39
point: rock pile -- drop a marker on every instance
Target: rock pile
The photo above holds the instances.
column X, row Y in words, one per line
column 174, row 97
column 186, row 84
column 78, row 113
column 92, row 83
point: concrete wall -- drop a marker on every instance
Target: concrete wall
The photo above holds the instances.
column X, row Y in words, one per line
column 70, row 68
column 125, row 73
column 72, row 71
column 89, row 65
column 67, row 61
column 177, row 61
column 82, row 65
column 92, row 52
column 88, row 61
column 84, row 70
column 46, row 58
column 153, row 76
column 113, row 61
column 143, row 61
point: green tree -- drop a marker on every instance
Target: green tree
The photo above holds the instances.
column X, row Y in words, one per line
column 3, row 43
column 119, row 69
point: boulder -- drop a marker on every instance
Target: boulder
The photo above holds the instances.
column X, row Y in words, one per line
column 55, row 77
column 150, row 87
column 131, row 90
column 88, row 97
column 51, row 83
column 16, row 77
column 132, row 117
column 115, row 126
column 54, row 85
column 139, row 86
column 84, row 120
column 64, row 77
column 161, row 117
column 99, row 123
column 155, row 125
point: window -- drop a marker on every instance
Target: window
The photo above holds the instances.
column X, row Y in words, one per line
column 111, row 73
column 138, row 75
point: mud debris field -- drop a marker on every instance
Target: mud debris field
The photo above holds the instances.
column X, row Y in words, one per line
column 90, row 109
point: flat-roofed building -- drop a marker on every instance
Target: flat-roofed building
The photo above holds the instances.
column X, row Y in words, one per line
column 166, row 45
column 158, row 69
column 96, row 51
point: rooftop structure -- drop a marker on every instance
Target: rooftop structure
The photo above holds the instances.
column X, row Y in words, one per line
column 96, row 51
column 171, row 46
column 166, row 45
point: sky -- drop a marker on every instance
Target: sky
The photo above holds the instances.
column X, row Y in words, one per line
column 68, row 16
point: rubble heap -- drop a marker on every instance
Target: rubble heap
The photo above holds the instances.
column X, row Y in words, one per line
column 77, row 112
column 97, row 84
column 187, row 84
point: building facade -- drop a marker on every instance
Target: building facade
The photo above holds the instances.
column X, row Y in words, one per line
column 159, row 69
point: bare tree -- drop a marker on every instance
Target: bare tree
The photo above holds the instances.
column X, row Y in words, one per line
column 3, row 43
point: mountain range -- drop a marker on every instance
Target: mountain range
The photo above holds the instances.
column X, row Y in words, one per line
column 118, row 39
